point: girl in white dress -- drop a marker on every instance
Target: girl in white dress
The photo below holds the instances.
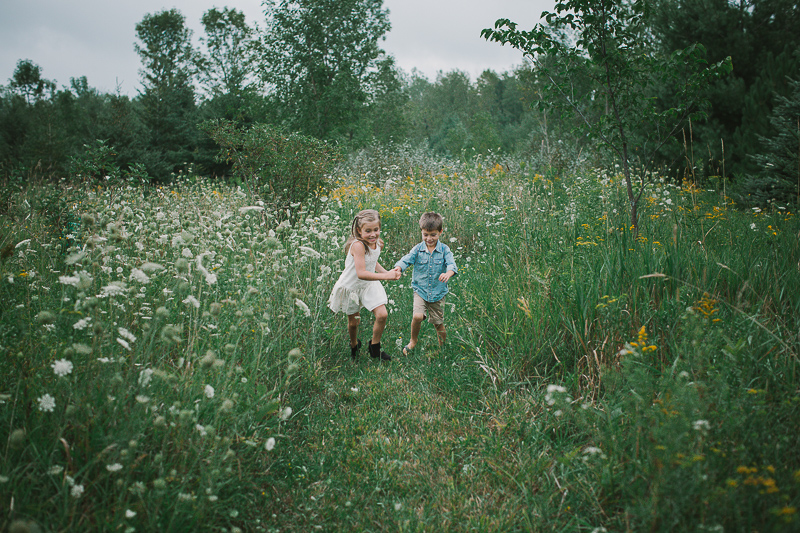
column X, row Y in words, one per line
column 359, row 286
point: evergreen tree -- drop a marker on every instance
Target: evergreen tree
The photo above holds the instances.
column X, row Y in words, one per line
column 168, row 101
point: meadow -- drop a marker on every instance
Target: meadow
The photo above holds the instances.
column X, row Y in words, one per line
column 169, row 362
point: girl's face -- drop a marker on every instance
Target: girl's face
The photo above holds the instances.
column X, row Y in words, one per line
column 370, row 231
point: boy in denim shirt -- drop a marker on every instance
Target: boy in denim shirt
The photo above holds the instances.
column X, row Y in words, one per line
column 433, row 266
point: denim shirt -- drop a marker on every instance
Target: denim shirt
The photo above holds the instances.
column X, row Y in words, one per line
column 427, row 269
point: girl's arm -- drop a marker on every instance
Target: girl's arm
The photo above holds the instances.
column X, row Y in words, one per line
column 358, row 250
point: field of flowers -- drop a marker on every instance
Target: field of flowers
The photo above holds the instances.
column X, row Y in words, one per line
column 169, row 363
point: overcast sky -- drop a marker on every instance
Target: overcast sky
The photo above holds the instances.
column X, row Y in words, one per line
column 95, row 38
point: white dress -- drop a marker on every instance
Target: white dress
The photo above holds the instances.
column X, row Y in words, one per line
column 350, row 293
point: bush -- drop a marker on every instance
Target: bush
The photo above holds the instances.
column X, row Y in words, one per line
column 276, row 166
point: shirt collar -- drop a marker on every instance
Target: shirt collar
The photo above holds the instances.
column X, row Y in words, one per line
column 439, row 247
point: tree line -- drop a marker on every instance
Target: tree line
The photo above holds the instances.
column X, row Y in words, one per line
column 316, row 68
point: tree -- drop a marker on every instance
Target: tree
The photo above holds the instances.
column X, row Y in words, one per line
column 27, row 81
column 613, row 51
column 168, row 103
column 229, row 65
column 319, row 55
column 779, row 164
column 761, row 37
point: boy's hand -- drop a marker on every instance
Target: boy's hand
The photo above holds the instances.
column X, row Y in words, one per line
column 446, row 276
column 395, row 273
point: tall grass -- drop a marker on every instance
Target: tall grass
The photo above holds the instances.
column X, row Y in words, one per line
column 171, row 364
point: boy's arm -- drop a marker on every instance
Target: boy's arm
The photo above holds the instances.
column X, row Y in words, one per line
column 408, row 259
column 450, row 265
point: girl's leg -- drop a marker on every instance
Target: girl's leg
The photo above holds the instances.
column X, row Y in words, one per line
column 352, row 328
column 381, row 315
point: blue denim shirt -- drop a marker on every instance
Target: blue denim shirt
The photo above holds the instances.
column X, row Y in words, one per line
column 427, row 269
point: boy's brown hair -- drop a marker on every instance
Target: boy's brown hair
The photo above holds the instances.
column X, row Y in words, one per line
column 431, row 221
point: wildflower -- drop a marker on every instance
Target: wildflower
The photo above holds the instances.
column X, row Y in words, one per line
column 115, row 288
column 191, row 300
column 201, row 430
column 270, row 445
column 129, row 513
column 69, row 280
column 116, row 467
column 45, row 317
column 145, row 376
column 310, row 252
column 62, row 367
column 398, row 506
column 82, row 349
column 552, row 391
column 753, row 226
column 140, row 276
column 124, row 333
column 152, row 267
column 302, row 305
column 55, row 470
column 82, row 324
column 243, row 210
column 141, row 398
column 286, row 413
column 124, row 343
column 209, row 391
column 47, row 403
column 701, row 425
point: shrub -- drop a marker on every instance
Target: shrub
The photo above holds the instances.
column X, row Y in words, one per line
column 276, row 166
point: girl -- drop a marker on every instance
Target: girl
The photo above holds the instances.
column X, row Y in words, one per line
column 359, row 286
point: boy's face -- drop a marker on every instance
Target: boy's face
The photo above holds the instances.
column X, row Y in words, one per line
column 431, row 237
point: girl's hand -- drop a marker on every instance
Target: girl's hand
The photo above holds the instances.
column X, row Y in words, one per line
column 394, row 273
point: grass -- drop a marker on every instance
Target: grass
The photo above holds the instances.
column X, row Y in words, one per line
column 594, row 379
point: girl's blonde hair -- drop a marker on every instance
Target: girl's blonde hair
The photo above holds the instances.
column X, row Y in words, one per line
column 367, row 215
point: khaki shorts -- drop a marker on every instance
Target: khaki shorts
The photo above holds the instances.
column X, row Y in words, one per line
column 434, row 310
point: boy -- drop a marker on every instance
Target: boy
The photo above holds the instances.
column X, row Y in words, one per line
column 433, row 266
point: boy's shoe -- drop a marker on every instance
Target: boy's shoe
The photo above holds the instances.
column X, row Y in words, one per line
column 354, row 350
column 376, row 352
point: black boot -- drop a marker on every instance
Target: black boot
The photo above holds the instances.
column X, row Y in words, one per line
column 375, row 352
column 354, row 350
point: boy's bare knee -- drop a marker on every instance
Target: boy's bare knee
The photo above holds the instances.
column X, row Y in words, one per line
column 417, row 317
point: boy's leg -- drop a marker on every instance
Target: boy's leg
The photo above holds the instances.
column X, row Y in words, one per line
column 440, row 331
column 416, row 325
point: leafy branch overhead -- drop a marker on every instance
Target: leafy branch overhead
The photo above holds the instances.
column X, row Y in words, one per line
column 604, row 46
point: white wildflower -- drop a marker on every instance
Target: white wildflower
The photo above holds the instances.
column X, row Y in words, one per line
column 47, row 403
column 701, row 425
column 187, row 253
column 69, row 280
column 191, row 300
column 76, row 491
column 201, row 430
column 114, row 288
column 62, row 367
column 124, row 343
column 309, row 252
column 209, row 391
column 243, row 210
column 124, row 333
column 116, row 467
column 302, row 305
column 82, row 323
column 141, row 398
column 145, row 376
column 129, row 513
column 270, row 445
column 140, row 276
column 152, row 267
